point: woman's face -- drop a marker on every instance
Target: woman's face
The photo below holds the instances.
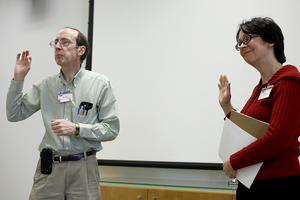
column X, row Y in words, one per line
column 255, row 51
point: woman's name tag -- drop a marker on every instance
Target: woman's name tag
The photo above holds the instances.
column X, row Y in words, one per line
column 265, row 92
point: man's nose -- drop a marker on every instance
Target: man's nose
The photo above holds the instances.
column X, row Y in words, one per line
column 58, row 45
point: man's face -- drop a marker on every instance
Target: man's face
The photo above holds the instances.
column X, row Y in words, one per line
column 66, row 50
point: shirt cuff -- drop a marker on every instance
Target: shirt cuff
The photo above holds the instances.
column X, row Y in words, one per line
column 16, row 86
column 86, row 131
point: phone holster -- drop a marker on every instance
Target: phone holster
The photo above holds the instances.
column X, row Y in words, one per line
column 46, row 161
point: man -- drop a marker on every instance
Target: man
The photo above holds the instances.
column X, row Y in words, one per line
column 79, row 111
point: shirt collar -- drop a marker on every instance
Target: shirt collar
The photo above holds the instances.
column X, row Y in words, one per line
column 78, row 76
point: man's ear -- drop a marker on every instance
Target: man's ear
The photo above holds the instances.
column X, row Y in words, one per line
column 81, row 50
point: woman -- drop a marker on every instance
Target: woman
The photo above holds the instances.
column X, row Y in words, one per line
column 275, row 100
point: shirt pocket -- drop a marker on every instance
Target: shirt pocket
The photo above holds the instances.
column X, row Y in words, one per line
column 86, row 111
column 84, row 108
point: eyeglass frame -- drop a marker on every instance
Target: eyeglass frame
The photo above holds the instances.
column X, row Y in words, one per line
column 54, row 42
column 250, row 36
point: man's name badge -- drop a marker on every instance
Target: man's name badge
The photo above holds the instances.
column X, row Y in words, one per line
column 65, row 96
column 265, row 92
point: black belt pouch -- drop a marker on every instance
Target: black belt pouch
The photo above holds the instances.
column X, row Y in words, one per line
column 46, row 161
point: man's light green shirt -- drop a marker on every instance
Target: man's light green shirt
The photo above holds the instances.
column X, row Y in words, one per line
column 101, row 123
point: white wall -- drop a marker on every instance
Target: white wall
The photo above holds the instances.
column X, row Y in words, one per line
column 29, row 24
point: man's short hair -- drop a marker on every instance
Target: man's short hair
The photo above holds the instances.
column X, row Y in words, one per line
column 82, row 41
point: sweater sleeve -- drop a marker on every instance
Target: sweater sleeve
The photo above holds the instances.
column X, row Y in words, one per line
column 283, row 131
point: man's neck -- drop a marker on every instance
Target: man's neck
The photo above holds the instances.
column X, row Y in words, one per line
column 69, row 72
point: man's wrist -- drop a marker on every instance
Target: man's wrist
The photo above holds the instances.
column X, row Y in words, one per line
column 18, row 78
column 77, row 129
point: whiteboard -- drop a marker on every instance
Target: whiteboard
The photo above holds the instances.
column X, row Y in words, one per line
column 164, row 59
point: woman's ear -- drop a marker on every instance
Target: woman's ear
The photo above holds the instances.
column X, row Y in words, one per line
column 271, row 45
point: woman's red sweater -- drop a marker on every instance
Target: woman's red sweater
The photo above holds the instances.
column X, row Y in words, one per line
column 279, row 147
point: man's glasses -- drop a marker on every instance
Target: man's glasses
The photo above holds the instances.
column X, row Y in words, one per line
column 63, row 43
column 246, row 40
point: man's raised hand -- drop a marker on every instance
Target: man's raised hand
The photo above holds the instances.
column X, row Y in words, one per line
column 22, row 66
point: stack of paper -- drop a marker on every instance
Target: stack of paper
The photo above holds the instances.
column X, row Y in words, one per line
column 239, row 131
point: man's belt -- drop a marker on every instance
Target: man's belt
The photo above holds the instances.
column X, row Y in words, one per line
column 57, row 158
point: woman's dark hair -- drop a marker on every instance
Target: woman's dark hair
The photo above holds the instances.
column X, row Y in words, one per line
column 269, row 32
column 82, row 41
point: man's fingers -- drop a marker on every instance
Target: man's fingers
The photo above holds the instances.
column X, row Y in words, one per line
column 23, row 55
column 53, row 124
column 18, row 56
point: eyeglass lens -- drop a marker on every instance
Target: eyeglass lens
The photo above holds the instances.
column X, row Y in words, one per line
column 63, row 43
column 246, row 40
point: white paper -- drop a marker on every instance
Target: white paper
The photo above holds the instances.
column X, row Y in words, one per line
column 234, row 139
